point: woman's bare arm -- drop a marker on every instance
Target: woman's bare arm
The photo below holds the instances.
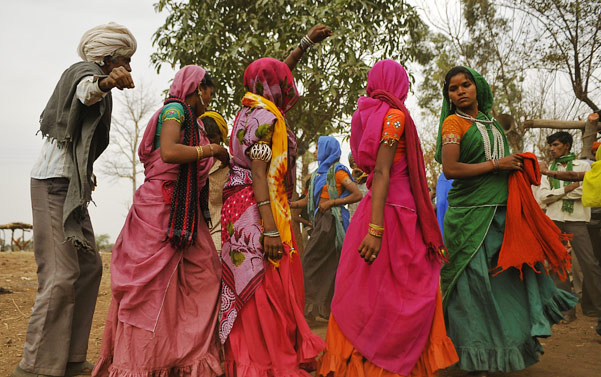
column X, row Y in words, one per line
column 379, row 190
column 453, row 169
column 272, row 245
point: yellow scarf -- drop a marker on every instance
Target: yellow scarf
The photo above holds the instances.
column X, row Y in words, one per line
column 220, row 122
column 277, row 167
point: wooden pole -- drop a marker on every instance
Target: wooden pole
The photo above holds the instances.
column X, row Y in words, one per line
column 589, row 130
column 554, row 124
column 589, row 136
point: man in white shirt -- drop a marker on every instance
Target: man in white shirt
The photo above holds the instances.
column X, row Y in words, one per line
column 75, row 124
column 564, row 207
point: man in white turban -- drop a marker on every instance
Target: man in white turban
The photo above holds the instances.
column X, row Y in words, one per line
column 75, row 125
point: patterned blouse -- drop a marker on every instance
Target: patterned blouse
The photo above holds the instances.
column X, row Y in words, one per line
column 393, row 131
column 172, row 111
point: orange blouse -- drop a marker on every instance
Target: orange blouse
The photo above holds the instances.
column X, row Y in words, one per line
column 340, row 177
column 453, row 129
column 393, row 130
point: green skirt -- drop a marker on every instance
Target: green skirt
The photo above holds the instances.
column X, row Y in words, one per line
column 494, row 321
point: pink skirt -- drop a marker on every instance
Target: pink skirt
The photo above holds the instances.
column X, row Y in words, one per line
column 271, row 337
column 185, row 342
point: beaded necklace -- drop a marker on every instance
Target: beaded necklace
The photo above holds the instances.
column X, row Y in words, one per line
column 497, row 149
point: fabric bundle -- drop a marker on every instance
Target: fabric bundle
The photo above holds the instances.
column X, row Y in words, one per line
column 530, row 236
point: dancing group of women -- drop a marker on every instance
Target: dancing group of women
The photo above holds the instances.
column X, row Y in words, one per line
column 181, row 309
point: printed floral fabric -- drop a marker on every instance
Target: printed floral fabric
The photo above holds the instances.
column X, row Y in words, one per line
column 242, row 255
column 242, row 250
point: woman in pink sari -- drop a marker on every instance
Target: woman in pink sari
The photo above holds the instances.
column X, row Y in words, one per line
column 386, row 313
column 262, row 324
column 165, row 272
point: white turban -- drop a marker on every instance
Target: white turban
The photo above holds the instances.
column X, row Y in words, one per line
column 111, row 39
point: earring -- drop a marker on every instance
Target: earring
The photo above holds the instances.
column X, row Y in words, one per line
column 200, row 96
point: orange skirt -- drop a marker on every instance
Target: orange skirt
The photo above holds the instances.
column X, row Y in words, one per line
column 341, row 359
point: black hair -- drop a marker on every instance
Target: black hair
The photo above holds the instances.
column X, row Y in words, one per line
column 211, row 127
column 207, row 81
column 447, row 80
column 561, row 136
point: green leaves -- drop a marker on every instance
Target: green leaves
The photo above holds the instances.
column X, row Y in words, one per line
column 225, row 36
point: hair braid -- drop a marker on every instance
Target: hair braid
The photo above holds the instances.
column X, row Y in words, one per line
column 183, row 216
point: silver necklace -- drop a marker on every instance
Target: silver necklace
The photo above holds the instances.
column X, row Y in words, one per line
column 497, row 149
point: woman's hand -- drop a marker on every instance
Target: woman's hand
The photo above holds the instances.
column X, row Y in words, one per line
column 221, row 154
column 369, row 248
column 273, row 247
column 325, row 204
column 513, row 162
column 318, row 33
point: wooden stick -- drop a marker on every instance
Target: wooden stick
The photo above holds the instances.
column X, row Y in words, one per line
column 554, row 124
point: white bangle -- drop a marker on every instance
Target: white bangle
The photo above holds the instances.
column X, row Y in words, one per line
column 260, row 151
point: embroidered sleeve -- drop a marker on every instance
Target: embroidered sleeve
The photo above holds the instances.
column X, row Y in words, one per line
column 173, row 112
column 394, row 126
column 451, row 132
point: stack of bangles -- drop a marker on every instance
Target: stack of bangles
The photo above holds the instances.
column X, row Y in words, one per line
column 495, row 165
column 272, row 233
column 200, row 152
column 305, row 43
column 376, row 230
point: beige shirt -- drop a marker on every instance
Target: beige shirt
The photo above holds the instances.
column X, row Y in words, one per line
column 553, row 197
column 53, row 159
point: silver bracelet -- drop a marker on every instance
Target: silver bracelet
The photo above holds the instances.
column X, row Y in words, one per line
column 263, row 203
column 272, row 234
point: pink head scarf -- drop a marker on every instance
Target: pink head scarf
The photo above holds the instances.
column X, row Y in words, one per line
column 272, row 79
column 185, row 82
column 387, row 86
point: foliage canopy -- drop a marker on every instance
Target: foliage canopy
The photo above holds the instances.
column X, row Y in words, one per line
column 225, row 36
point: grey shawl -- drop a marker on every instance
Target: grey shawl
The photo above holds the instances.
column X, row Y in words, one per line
column 84, row 131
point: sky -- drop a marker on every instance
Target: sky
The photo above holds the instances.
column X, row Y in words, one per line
column 39, row 41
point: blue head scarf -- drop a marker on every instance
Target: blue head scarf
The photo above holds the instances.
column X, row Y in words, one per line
column 328, row 153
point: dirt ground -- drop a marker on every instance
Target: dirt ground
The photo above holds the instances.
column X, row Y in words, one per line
column 574, row 350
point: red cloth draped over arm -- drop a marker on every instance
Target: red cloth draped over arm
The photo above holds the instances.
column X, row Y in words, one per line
column 530, row 235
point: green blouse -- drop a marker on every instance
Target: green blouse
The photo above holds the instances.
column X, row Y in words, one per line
column 173, row 111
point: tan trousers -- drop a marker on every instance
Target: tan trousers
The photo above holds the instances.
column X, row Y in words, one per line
column 591, row 269
column 68, row 282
